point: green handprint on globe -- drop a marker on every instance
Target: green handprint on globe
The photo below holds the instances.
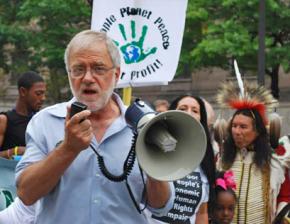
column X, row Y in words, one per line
column 133, row 52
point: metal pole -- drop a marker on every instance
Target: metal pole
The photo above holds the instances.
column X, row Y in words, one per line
column 261, row 37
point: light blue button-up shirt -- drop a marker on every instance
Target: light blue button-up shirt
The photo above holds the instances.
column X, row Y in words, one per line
column 83, row 194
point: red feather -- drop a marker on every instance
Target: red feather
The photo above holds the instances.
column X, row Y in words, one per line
column 251, row 105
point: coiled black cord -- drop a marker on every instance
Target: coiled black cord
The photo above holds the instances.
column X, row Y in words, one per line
column 127, row 168
column 128, row 164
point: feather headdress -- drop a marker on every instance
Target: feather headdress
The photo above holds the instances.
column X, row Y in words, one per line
column 254, row 97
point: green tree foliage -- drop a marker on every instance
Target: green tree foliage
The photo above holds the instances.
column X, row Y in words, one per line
column 38, row 32
column 218, row 31
column 34, row 33
column 12, row 38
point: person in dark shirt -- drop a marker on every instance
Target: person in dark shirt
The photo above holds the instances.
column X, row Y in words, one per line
column 31, row 95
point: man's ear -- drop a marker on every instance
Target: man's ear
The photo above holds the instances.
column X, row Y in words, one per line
column 22, row 91
column 117, row 75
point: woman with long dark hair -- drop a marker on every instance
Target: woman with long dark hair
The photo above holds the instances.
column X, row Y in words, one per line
column 193, row 192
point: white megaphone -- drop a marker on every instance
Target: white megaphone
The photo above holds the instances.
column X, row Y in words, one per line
column 170, row 145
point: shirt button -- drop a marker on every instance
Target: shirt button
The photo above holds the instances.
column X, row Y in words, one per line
column 96, row 201
column 98, row 175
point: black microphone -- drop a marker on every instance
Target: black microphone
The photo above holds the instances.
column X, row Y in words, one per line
column 77, row 107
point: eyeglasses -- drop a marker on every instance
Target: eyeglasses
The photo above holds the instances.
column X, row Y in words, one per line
column 96, row 71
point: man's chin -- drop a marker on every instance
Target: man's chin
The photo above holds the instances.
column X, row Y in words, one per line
column 35, row 110
column 225, row 221
column 94, row 109
column 94, row 106
column 239, row 145
column 97, row 103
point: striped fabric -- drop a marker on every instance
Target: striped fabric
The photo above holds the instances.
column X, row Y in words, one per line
column 251, row 204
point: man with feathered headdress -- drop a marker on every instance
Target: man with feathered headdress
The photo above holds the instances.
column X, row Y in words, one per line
column 247, row 151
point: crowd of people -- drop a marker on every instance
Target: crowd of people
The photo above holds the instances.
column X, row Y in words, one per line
column 71, row 167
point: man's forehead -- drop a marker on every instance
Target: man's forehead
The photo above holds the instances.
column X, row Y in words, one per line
column 96, row 45
column 98, row 50
column 240, row 118
column 38, row 85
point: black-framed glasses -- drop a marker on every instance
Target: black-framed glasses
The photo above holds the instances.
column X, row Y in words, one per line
column 96, row 71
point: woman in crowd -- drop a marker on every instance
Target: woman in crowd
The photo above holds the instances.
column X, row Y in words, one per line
column 193, row 192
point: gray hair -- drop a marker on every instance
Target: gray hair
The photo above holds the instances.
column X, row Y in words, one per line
column 86, row 39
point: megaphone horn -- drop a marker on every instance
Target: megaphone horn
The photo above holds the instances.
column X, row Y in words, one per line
column 170, row 145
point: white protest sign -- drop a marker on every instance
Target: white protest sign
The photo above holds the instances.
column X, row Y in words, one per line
column 148, row 34
column 7, row 182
